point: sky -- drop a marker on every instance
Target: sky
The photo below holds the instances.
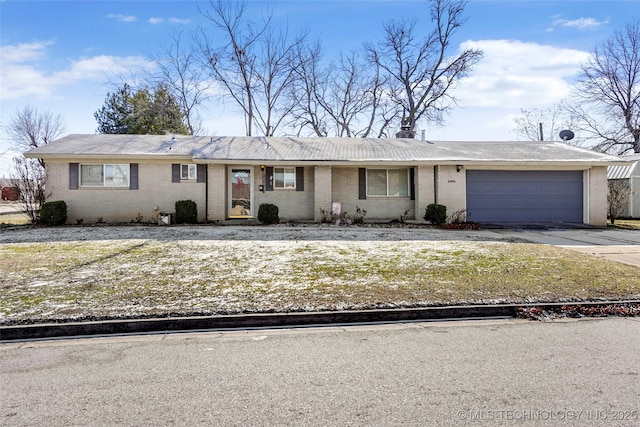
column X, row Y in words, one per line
column 63, row 57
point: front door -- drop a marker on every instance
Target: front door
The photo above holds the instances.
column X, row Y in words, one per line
column 241, row 193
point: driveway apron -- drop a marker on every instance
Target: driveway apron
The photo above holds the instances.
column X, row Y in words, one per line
column 616, row 245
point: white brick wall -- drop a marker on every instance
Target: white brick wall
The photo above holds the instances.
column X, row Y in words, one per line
column 121, row 204
column 345, row 190
column 425, row 194
column 323, row 185
column 292, row 204
column 452, row 188
column 217, row 188
column 323, row 177
column 596, row 178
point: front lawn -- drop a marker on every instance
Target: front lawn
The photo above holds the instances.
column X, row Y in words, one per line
column 226, row 272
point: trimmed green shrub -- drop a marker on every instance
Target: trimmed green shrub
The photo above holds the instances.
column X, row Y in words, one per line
column 186, row 212
column 268, row 213
column 436, row 214
column 53, row 213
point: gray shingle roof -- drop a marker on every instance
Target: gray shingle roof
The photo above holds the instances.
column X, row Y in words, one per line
column 337, row 150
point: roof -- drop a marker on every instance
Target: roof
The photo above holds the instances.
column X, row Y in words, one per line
column 315, row 150
column 625, row 171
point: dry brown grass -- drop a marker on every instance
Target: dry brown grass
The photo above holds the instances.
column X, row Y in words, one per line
column 62, row 280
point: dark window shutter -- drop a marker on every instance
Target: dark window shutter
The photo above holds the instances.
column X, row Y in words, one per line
column 412, row 184
column 201, row 173
column 175, row 172
column 362, row 183
column 269, row 184
column 133, row 176
column 73, row 176
column 299, row 179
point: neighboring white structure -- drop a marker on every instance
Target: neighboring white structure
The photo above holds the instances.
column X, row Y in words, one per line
column 631, row 174
column 124, row 177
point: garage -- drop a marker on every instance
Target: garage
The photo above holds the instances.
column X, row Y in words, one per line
column 524, row 196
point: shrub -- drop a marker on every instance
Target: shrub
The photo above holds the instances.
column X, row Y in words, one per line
column 53, row 213
column 186, row 212
column 268, row 213
column 436, row 214
column 458, row 217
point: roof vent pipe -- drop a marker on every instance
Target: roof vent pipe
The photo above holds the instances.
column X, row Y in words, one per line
column 423, row 134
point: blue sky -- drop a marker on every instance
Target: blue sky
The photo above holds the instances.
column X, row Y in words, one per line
column 64, row 56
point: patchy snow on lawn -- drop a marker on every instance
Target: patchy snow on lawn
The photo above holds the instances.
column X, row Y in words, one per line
column 321, row 232
column 90, row 272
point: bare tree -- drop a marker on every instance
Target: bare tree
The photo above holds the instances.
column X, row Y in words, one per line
column 180, row 71
column 254, row 65
column 30, row 128
column 233, row 64
column 553, row 120
column 618, row 198
column 344, row 99
column 275, row 76
column 31, row 179
column 308, row 114
column 608, row 93
column 421, row 72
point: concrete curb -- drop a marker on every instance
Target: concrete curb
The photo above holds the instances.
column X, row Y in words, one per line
column 265, row 320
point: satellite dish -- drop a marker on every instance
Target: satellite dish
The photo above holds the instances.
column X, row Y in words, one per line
column 566, row 135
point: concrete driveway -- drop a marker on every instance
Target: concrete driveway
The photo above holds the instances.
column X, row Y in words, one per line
column 616, row 245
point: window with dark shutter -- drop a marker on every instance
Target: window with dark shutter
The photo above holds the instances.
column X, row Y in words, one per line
column 362, row 183
column 133, row 176
column 175, row 172
column 299, row 179
column 73, row 176
column 412, row 184
column 269, row 176
column 202, row 173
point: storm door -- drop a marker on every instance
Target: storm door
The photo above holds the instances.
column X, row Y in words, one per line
column 241, row 193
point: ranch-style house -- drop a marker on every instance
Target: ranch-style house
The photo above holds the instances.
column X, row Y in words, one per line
column 119, row 178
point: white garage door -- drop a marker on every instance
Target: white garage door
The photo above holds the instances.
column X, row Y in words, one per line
column 524, row 196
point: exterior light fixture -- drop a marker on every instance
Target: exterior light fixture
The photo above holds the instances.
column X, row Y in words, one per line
column 458, row 168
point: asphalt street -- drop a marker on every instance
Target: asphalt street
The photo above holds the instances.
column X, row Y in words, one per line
column 508, row 372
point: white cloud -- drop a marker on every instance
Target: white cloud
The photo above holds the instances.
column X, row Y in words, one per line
column 122, row 18
column 512, row 76
column 580, row 23
column 172, row 20
column 23, row 52
column 515, row 74
column 179, row 21
column 24, row 74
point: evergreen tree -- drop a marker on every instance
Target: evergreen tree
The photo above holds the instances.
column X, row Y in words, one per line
column 141, row 112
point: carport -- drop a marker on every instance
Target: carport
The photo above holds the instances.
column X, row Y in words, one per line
column 524, row 196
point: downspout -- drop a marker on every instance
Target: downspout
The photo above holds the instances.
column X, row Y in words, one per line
column 206, row 194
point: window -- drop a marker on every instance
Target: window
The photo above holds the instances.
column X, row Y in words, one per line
column 387, row 182
column 188, row 172
column 107, row 175
column 285, row 178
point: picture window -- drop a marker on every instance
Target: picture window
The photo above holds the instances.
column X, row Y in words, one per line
column 388, row 182
column 105, row 175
